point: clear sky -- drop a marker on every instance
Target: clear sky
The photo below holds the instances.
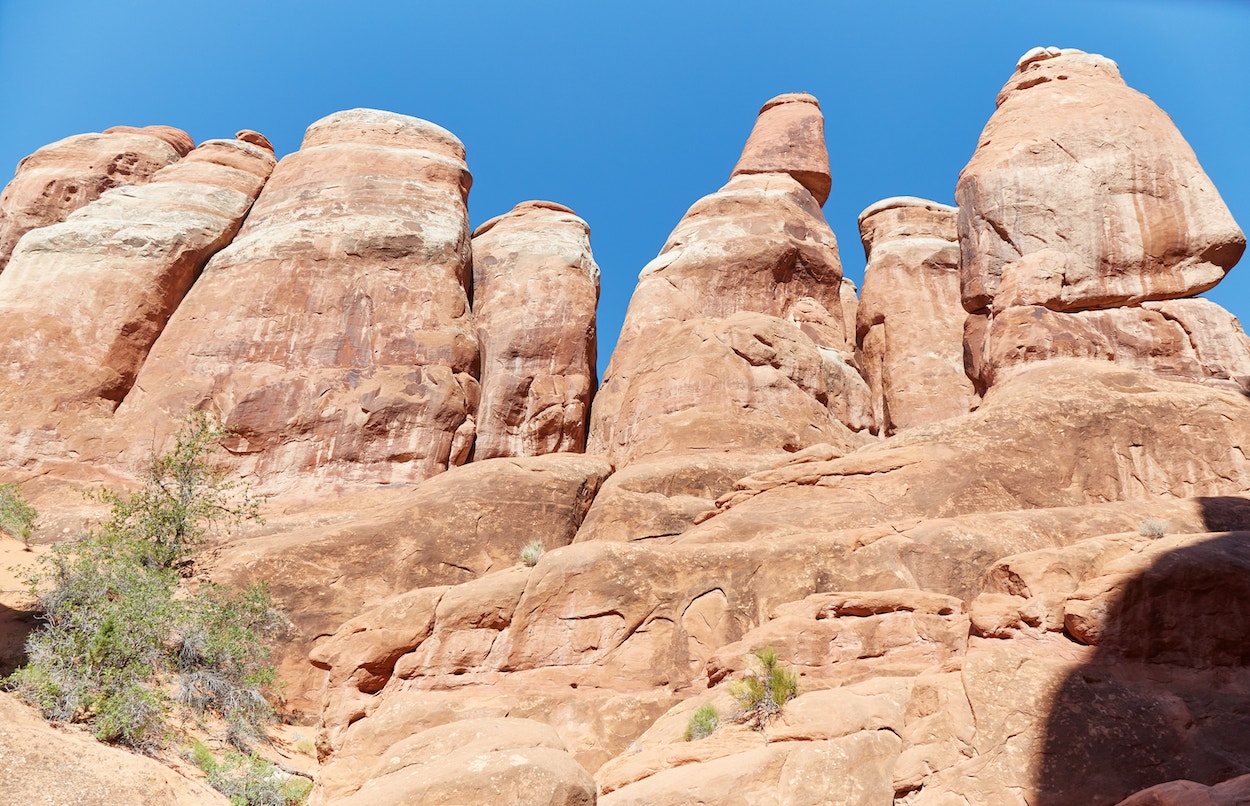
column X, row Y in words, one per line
column 627, row 112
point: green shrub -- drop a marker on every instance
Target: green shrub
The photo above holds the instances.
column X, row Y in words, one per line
column 184, row 495
column 1153, row 527
column 703, row 723
column 16, row 516
column 249, row 780
column 762, row 691
column 120, row 631
column 532, row 553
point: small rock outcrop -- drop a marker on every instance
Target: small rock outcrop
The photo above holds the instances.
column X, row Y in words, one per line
column 334, row 334
column 1082, row 202
column 535, row 288
column 61, row 177
column 82, row 301
column 910, row 328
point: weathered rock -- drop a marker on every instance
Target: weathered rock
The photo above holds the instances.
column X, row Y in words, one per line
column 1191, row 793
column 1082, row 194
column 1163, row 337
column 334, row 334
column 747, row 382
column 452, row 528
column 789, row 138
column 63, row 176
column 1060, row 433
column 82, row 301
column 475, row 760
column 659, row 497
column 535, row 287
column 760, row 245
column 41, row 764
column 909, row 333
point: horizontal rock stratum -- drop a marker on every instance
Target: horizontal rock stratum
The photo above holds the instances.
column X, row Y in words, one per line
column 993, row 511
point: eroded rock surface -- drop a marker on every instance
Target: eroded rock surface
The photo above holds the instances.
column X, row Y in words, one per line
column 334, row 334
column 535, row 287
column 910, row 328
column 1081, row 203
column 82, row 301
column 61, row 177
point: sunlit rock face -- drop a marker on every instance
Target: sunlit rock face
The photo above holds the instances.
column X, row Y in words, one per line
column 1082, row 196
column 61, row 177
column 910, row 324
column 735, row 337
column 82, row 301
column 334, row 334
column 535, row 287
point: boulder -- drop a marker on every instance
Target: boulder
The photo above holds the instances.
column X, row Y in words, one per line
column 909, row 332
column 535, row 287
column 61, row 177
column 334, row 334
column 1082, row 194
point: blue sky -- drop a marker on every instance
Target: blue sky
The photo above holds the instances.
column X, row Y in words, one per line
column 626, row 112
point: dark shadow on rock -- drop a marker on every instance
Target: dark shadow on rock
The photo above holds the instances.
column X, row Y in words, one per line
column 15, row 626
column 1167, row 694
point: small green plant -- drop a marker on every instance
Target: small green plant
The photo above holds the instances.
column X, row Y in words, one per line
column 16, row 516
column 532, row 553
column 703, row 723
column 762, row 691
column 248, row 779
column 185, row 494
column 120, row 628
column 1154, row 527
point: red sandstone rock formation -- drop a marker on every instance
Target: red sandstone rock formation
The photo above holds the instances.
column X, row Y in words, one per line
column 909, row 334
column 789, row 138
column 334, row 334
column 61, row 177
column 535, row 287
column 82, row 301
column 1081, row 202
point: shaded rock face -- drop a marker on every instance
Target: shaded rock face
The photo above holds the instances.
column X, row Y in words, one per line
column 535, row 287
column 743, row 301
column 1082, row 196
column 334, row 334
column 909, row 331
column 82, row 301
column 61, row 177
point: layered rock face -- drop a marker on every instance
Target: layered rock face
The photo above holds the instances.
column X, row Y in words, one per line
column 334, row 334
column 61, row 177
column 1081, row 202
column 82, row 301
column 535, row 288
column 910, row 325
column 711, row 356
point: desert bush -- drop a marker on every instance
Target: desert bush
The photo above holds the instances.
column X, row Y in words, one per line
column 763, row 690
column 1153, row 527
column 120, row 631
column 185, row 494
column 247, row 779
column 703, row 723
column 532, row 553
column 16, row 516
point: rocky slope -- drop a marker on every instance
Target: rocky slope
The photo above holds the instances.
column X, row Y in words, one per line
column 994, row 512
